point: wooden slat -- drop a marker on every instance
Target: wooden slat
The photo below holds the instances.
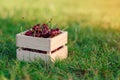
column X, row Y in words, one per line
column 20, row 54
column 34, row 56
column 44, row 57
column 31, row 55
column 60, row 54
column 26, row 55
column 58, row 41
column 33, row 42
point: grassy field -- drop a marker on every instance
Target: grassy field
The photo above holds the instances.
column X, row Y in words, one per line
column 94, row 39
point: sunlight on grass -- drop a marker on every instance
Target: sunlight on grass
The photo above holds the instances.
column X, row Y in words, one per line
column 62, row 11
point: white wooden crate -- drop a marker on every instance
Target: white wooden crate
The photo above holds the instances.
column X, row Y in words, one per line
column 44, row 44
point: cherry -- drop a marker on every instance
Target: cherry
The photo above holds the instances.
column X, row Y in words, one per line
column 37, row 28
column 54, row 32
column 45, row 26
column 45, row 31
column 38, row 35
column 29, row 33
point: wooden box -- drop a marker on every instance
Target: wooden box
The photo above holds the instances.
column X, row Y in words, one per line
column 44, row 44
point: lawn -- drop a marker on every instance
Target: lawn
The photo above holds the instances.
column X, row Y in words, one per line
column 93, row 43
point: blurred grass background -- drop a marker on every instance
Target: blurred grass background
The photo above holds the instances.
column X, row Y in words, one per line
column 89, row 11
column 94, row 38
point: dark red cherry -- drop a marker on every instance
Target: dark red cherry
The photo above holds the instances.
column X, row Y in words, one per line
column 36, row 27
column 38, row 34
column 45, row 31
column 29, row 33
column 45, row 26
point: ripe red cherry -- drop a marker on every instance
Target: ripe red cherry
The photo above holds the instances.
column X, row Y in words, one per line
column 58, row 30
column 45, row 31
column 36, row 28
column 29, row 33
column 45, row 26
column 38, row 34
column 54, row 32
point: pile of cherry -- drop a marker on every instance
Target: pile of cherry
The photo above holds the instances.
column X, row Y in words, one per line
column 42, row 31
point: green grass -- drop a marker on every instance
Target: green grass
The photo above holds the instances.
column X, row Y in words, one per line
column 94, row 43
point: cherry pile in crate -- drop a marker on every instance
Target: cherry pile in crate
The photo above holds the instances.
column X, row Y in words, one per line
column 42, row 31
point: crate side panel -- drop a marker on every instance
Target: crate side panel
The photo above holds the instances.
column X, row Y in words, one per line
column 59, row 40
column 32, row 55
column 26, row 55
column 60, row 54
column 36, row 56
column 33, row 42
column 20, row 54
column 41, row 56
